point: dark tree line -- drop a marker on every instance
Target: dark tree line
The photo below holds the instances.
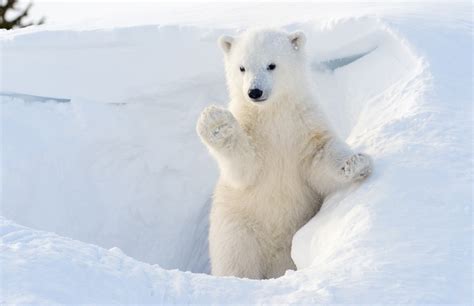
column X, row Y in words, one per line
column 19, row 15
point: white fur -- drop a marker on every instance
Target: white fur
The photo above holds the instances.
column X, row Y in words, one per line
column 278, row 158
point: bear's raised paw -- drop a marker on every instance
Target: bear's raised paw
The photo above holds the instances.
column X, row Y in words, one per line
column 216, row 126
column 357, row 167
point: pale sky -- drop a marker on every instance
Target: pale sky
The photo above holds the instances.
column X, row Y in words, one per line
column 109, row 13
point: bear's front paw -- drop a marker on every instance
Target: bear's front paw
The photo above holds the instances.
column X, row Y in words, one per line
column 216, row 125
column 357, row 167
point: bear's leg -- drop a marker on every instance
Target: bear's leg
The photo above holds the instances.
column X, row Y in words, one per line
column 280, row 263
column 338, row 165
column 230, row 145
column 233, row 248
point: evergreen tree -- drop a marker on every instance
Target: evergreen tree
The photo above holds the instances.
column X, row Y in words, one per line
column 18, row 21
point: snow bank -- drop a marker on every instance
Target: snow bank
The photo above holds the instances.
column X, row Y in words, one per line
column 120, row 166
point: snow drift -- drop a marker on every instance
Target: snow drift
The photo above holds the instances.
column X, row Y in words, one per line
column 120, row 170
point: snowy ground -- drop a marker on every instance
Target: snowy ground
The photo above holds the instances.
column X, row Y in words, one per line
column 111, row 185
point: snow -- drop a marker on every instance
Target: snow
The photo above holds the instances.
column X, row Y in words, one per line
column 112, row 189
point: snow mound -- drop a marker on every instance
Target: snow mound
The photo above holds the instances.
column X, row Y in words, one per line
column 119, row 167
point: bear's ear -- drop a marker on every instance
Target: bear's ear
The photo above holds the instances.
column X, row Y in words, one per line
column 297, row 39
column 226, row 43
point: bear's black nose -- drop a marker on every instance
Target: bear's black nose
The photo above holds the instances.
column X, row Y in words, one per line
column 255, row 93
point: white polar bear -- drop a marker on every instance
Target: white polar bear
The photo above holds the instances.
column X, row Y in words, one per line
column 277, row 155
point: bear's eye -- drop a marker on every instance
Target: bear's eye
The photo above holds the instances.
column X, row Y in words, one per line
column 271, row 66
column 242, row 69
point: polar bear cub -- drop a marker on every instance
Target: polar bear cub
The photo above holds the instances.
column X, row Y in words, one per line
column 277, row 155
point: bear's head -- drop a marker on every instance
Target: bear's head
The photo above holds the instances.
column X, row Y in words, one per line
column 264, row 65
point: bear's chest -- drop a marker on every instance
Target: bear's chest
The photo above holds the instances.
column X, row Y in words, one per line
column 279, row 142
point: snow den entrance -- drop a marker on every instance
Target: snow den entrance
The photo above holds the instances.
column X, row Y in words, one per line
column 120, row 164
